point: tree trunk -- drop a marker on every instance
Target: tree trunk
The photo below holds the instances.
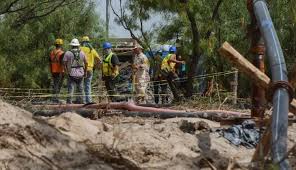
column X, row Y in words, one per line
column 195, row 51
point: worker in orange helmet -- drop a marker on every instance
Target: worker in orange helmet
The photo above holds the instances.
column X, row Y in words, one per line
column 56, row 68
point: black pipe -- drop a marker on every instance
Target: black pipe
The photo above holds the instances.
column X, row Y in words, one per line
column 280, row 100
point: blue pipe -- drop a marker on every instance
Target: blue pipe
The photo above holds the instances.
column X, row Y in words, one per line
column 279, row 73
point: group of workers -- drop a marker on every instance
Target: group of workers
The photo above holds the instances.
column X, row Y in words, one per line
column 78, row 64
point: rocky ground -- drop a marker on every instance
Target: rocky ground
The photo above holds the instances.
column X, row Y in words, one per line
column 69, row 141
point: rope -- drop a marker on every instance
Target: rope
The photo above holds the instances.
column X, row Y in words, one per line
column 154, row 81
column 27, row 94
column 79, row 95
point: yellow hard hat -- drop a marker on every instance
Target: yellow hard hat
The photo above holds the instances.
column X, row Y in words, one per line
column 85, row 38
column 59, row 41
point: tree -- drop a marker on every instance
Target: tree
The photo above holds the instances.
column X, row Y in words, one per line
column 24, row 50
column 27, row 10
column 131, row 16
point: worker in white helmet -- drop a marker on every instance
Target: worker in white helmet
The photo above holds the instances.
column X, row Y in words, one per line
column 75, row 67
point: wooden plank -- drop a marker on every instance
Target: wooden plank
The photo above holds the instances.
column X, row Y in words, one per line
column 249, row 69
column 263, row 147
column 244, row 65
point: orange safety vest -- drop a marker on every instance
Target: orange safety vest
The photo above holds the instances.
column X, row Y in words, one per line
column 56, row 61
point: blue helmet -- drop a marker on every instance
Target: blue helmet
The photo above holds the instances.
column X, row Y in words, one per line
column 107, row 45
column 173, row 49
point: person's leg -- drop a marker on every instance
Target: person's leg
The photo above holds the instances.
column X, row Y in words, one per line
column 170, row 79
column 140, row 89
column 61, row 81
column 60, row 84
column 164, row 92
column 108, row 85
column 113, row 91
column 55, row 78
column 87, row 87
column 156, row 91
column 79, row 83
column 71, row 84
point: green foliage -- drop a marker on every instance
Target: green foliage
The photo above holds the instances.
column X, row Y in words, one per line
column 229, row 25
column 24, row 50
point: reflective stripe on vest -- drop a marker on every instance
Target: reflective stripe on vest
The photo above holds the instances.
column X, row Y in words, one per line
column 165, row 65
column 107, row 66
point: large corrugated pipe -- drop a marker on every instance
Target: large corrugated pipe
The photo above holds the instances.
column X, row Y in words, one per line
column 279, row 73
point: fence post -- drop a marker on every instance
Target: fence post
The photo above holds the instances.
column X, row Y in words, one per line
column 234, row 86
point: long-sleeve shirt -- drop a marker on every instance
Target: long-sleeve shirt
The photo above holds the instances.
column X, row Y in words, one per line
column 143, row 65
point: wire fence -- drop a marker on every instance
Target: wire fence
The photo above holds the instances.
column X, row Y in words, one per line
column 99, row 92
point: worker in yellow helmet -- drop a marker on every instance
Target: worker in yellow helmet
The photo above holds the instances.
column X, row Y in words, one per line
column 93, row 59
column 169, row 72
column 56, row 68
column 141, row 69
column 110, row 70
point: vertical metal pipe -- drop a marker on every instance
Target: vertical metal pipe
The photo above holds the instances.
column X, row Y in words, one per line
column 257, row 51
column 258, row 93
column 279, row 73
column 107, row 18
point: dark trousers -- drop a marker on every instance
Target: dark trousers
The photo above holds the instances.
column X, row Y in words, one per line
column 110, row 86
column 160, row 89
column 58, row 79
column 170, row 77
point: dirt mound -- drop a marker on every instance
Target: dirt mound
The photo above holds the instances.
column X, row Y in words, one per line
column 26, row 143
column 69, row 141
column 151, row 143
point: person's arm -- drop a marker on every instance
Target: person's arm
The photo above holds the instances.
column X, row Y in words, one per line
column 144, row 63
column 85, row 63
column 115, row 63
column 65, row 65
column 49, row 61
column 115, row 70
column 98, row 59
column 173, row 59
column 62, row 58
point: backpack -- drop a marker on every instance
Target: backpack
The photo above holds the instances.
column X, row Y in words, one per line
column 77, row 63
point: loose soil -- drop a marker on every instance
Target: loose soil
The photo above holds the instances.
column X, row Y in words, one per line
column 69, row 141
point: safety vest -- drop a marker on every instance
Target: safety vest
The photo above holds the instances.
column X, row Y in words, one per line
column 56, row 61
column 107, row 66
column 166, row 65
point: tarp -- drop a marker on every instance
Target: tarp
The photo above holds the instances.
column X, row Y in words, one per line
column 245, row 134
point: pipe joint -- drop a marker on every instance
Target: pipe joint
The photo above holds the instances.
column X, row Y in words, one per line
column 273, row 87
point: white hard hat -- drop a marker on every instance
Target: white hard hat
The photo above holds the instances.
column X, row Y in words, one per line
column 75, row 42
column 166, row 48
